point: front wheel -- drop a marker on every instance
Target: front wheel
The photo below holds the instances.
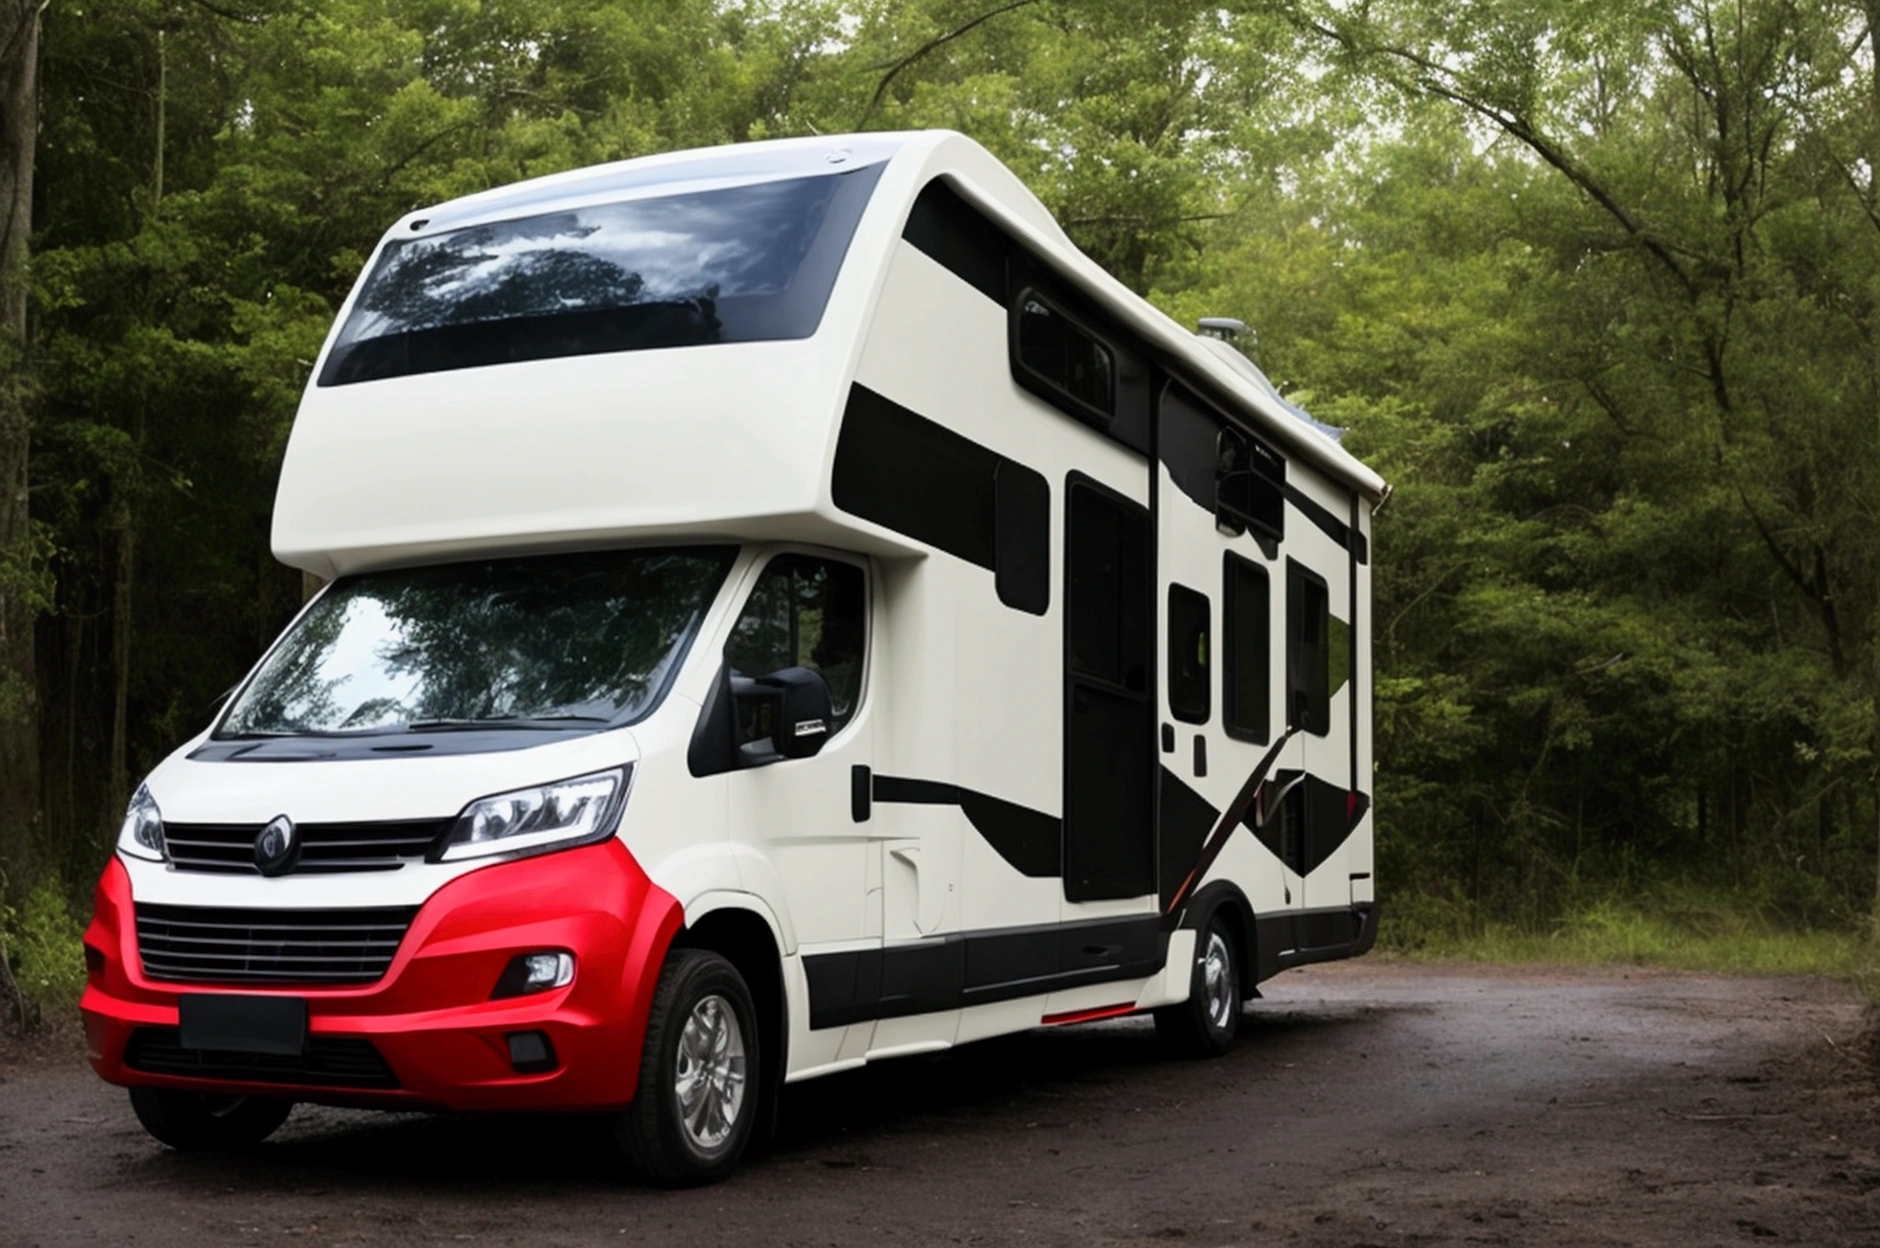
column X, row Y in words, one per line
column 197, row 1121
column 1206, row 1023
column 697, row 1099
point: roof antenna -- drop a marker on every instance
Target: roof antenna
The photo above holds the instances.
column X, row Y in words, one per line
column 1229, row 330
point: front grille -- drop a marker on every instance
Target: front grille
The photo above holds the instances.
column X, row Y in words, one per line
column 329, row 1062
column 196, row 944
column 324, row 847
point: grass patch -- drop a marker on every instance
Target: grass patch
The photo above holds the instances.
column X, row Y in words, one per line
column 1692, row 932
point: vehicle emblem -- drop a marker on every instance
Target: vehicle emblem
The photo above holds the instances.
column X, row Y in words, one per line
column 277, row 847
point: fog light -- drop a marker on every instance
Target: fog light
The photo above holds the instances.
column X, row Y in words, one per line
column 534, row 972
column 531, row 1052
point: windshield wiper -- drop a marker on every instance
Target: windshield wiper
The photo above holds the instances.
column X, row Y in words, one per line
column 546, row 722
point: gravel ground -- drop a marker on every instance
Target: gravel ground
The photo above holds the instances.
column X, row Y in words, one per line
column 1373, row 1103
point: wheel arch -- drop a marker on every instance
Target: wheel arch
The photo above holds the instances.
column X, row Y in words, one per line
column 1223, row 897
column 739, row 930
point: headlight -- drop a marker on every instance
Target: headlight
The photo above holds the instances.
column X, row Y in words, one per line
column 567, row 813
column 142, row 833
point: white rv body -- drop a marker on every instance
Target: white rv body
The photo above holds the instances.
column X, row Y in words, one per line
column 1035, row 807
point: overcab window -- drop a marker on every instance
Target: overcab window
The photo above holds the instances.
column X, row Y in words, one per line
column 729, row 264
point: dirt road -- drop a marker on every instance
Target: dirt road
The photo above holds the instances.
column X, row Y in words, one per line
column 1370, row 1104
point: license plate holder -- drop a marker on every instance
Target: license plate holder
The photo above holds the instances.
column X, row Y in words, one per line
column 231, row 1023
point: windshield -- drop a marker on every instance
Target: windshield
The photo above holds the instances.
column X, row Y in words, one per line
column 731, row 264
column 535, row 642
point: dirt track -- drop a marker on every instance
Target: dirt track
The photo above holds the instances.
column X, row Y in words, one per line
column 1370, row 1104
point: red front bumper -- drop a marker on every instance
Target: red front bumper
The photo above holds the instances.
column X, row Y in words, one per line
column 430, row 1017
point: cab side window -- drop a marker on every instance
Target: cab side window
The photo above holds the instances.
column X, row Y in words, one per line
column 806, row 612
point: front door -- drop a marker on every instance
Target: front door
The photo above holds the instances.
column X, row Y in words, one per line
column 809, row 610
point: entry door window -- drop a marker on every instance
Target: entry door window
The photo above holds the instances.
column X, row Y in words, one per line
column 806, row 611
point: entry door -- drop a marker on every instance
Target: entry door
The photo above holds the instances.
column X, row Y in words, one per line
column 1319, row 663
column 1221, row 628
column 1109, row 712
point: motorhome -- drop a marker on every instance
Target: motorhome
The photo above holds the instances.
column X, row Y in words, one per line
column 786, row 608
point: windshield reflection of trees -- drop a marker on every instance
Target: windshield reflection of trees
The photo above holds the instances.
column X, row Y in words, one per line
column 414, row 291
column 589, row 635
column 744, row 240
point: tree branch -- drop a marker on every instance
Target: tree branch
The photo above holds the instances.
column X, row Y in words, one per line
column 1437, row 80
column 894, row 68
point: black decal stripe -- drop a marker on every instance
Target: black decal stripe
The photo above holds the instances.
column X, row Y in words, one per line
column 907, row 473
column 1330, row 524
column 978, row 968
column 1186, row 819
column 1030, row 841
column 1211, row 848
column 904, row 472
column 946, row 228
column 1331, row 815
column 916, row 792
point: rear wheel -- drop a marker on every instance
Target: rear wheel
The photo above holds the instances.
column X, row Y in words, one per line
column 196, row 1121
column 1206, row 1023
column 697, row 1097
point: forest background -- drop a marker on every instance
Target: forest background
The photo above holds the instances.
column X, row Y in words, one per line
column 1594, row 283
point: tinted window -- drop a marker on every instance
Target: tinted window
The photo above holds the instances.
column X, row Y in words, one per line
column 1308, row 651
column 1065, row 357
column 567, row 638
column 1188, row 684
column 1247, row 651
column 1109, row 593
column 806, row 612
column 1250, row 485
column 734, row 264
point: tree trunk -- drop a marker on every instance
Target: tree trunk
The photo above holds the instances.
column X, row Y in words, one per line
column 121, row 658
column 19, row 702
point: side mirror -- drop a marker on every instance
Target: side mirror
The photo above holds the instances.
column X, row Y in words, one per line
column 787, row 714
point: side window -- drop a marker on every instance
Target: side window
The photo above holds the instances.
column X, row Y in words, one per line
column 1308, row 651
column 806, row 612
column 1062, row 361
column 1246, row 651
column 1250, row 486
column 1188, row 684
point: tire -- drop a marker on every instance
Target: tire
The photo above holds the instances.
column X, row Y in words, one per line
column 702, row 1018
column 1206, row 1023
column 197, row 1121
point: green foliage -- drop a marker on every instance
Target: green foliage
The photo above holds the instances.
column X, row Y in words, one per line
column 1679, row 927
column 40, row 942
column 1592, row 284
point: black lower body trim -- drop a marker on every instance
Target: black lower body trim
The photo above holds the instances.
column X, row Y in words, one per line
column 1300, row 938
column 978, row 968
column 329, row 1062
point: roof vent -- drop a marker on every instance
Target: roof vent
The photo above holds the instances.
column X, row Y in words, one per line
column 1226, row 328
